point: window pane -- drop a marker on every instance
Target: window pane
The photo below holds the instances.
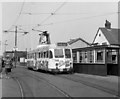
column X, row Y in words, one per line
column 99, row 56
column 112, row 56
column 74, row 57
column 50, row 54
column 58, row 53
column 67, row 53
column 109, row 56
column 80, row 53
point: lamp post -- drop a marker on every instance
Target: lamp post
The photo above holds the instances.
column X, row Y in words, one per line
column 16, row 31
column 5, row 45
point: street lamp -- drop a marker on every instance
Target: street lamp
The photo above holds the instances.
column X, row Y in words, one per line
column 5, row 45
column 16, row 31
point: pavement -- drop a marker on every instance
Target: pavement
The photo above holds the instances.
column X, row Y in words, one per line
column 109, row 82
column 10, row 87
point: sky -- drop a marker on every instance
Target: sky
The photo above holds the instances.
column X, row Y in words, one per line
column 63, row 21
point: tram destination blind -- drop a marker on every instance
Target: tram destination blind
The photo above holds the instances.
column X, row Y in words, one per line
column 62, row 44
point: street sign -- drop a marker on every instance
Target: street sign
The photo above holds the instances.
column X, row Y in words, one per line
column 15, row 48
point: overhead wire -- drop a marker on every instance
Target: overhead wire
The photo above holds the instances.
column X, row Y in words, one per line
column 43, row 21
column 14, row 23
column 71, row 20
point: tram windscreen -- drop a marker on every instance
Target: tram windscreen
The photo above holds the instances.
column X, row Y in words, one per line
column 59, row 53
column 67, row 53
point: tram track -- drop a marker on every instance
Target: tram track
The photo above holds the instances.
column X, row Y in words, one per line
column 39, row 78
column 92, row 85
column 96, row 86
column 52, row 85
column 20, row 87
column 23, row 87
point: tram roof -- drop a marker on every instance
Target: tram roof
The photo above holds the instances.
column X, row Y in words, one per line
column 44, row 47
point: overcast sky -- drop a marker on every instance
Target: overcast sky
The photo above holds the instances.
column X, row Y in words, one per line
column 69, row 21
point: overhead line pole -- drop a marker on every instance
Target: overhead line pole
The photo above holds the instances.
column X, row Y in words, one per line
column 15, row 44
column 16, row 31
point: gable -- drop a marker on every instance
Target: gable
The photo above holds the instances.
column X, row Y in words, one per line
column 100, row 38
column 110, row 36
column 79, row 44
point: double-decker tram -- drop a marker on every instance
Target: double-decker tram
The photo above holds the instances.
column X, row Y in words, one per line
column 51, row 57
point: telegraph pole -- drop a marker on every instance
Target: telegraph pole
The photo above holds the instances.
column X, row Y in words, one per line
column 5, row 45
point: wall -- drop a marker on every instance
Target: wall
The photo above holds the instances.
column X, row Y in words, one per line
column 95, row 69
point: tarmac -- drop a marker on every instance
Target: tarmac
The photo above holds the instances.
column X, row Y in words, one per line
column 10, row 88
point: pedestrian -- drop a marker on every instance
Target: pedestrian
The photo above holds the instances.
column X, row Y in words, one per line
column 8, row 66
column 0, row 67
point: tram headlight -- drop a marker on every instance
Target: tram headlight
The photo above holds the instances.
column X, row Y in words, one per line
column 70, row 64
column 56, row 64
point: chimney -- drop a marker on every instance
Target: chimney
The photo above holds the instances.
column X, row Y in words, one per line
column 107, row 25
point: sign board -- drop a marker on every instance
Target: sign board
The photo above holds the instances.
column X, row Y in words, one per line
column 62, row 44
column 22, row 59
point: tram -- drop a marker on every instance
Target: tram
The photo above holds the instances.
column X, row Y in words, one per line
column 51, row 57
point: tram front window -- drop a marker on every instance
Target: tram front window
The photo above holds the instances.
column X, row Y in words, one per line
column 59, row 53
column 67, row 53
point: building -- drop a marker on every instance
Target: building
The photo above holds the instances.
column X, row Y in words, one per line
column 102, row 58
column 19, row 55
column 77, row 43
column 107, row 36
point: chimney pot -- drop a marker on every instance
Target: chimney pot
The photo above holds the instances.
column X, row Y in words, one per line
column 108, row 24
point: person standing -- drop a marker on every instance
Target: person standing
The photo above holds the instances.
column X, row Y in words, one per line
column 0, row 67
column 8, row 66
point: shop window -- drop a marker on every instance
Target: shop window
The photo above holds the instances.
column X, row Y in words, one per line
column 83, row 57
column 99, row 56
column 90, row 56
column 75, row 57
column 86, row 58
column 80, row 57
column 109, row 56
column 112, row 56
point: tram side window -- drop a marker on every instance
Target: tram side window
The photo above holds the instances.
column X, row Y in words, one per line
column 30, row 56
column 27, row 56
column 33, row 55
column 58, row 53
column 50, row 54
column 67, row 53
column 39, row 54
column 47, row 54
column 42, row 55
